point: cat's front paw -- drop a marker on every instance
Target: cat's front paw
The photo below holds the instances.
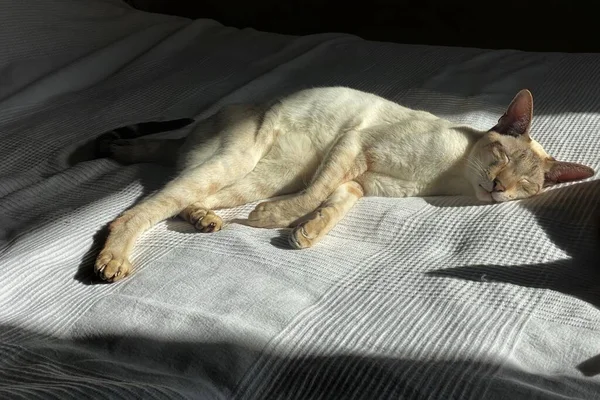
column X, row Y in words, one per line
column 111, row 267
column 267, row 216
column 300, row 238
column 308, row 233
column 275, row 214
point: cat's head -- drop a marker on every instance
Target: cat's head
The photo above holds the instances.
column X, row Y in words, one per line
column 507, row 164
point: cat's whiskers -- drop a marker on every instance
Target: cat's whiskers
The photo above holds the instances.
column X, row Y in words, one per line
column 476, row 167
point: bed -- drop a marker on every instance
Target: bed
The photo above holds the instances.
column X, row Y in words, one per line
column 416, row 298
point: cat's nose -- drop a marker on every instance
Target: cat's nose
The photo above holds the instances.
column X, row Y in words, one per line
column 497, row 186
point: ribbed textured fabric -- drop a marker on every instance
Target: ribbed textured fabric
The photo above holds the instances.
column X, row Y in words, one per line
column 418, row 298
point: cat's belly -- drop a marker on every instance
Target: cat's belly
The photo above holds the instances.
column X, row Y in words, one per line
column 381, row 185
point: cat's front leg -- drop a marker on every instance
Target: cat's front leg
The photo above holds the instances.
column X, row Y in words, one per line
column 343, row 163
column 113, row 262
column 321, row 221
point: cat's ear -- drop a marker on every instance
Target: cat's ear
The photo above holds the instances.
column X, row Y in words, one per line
column 560, row 172
column 516, row 121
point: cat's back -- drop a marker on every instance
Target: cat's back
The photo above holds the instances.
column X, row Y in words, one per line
column 332, row 96
column 337, row 108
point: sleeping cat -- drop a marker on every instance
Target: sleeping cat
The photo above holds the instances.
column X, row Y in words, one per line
column 326, row 148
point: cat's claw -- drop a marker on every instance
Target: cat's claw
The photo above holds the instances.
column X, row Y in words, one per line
column 299, row 238
column 205, row 221
column 211, row 222
column 110, row 267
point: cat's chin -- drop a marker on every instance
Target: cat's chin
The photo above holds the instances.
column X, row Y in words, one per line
column 483, row 195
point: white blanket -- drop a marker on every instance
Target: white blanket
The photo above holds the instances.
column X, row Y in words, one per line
column 435, row 298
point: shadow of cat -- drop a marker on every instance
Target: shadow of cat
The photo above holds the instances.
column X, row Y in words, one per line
column 575, row 230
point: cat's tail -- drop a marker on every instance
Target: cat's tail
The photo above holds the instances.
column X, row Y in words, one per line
column 124, row 144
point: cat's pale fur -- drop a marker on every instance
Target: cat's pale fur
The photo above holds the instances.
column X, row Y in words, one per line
column 327, row 148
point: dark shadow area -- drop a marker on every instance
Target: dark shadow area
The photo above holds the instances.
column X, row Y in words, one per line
column 465, row 23
column 104, row 364
column 590, row 367
column 576, row 233
column 85, row 271
column 280, row 241
column 98, row 147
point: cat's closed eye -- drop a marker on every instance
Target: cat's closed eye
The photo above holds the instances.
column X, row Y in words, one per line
column 529, row 187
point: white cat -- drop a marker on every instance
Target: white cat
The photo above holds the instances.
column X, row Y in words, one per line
column 328, row 147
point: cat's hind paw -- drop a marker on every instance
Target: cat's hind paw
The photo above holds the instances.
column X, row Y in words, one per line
column 204, row 220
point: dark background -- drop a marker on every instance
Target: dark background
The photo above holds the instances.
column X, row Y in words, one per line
column 551, row 25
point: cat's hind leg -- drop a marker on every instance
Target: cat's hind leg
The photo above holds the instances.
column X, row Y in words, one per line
column 192, row 186
column 344, row 162
column 240, row 147
column 318, row 223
